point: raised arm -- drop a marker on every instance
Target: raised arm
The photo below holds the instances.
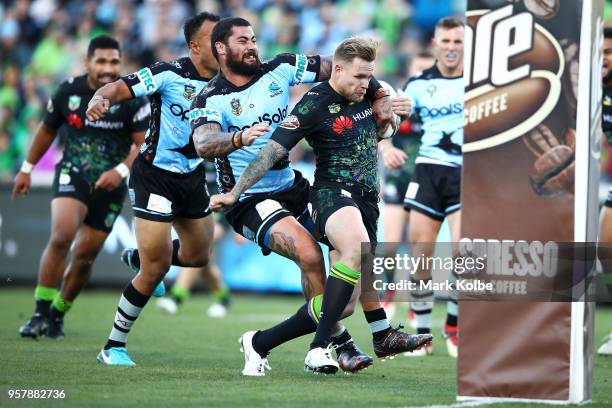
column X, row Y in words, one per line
column 325, row 68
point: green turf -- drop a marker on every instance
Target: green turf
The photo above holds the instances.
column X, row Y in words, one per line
column 192, row 360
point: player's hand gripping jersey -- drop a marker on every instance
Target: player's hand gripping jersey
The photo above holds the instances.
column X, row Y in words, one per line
column 264, row 99
column 91, row 148
column 343, row 135
column 438, row 102
column 171, row 87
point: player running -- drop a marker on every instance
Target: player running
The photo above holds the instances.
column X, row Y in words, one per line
column 434, row 192
column 89, row 187
column 167, row 186
column 338, row 121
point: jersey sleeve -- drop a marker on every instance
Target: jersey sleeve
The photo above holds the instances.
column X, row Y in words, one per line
column 204, row 110
column 298, row 68
column 301, row 122
column 149, row 80
column 140, row 116
column 53, row 113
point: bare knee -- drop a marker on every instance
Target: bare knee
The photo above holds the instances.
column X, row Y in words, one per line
column 200, row 260
column 311, row 259
column 60, row 242
column 351, row 256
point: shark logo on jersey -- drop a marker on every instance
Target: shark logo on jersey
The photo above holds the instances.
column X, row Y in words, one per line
column 236, row 107
column 74, row 101
column 190, row 92
column 274, row 89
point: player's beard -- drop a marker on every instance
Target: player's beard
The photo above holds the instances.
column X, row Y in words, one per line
column 236, row 63
column 608, row 78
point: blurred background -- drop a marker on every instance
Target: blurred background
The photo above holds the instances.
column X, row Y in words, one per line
column 42, row 42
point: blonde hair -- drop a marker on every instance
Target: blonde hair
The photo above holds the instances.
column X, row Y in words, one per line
column 356, row 47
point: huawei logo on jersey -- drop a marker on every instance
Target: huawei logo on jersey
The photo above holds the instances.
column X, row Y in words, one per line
column 75, row 121
column 342, row 123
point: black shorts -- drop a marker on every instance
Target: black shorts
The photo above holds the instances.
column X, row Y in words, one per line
column 160, row 195
column 326, row 199
column 103, row 206
column 255, row 215
column 608, row 202
column 435, row 190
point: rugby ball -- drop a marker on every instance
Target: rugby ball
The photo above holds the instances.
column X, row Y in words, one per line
column 392, row 128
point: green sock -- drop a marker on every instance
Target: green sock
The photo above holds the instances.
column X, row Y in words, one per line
column 179, row 294
column 221, row 295
column 43, row 293
column 61, row 305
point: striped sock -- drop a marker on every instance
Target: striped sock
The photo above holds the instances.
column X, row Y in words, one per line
column 422, row 306
column 130, row 305
column 337, row 294
column 452, row 313
column 379, row 325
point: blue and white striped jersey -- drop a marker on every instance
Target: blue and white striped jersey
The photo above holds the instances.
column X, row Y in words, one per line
column 438, row 102
column 171, row 87
column 264, row 99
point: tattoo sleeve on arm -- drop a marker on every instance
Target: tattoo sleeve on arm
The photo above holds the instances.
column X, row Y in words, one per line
column 260, row 165
column 325, row 68
column 210, row 142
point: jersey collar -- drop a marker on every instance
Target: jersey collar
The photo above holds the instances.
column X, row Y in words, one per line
column 189, row 67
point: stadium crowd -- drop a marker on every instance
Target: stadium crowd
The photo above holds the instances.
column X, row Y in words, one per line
column 40, row 41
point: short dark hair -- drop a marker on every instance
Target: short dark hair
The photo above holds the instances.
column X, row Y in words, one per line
column 449, row 23
column 192, row 25
column 356, row 47
column 608, row 32
column 223, row 30
column 104, row 42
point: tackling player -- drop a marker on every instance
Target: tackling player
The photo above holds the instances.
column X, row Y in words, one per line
column 247, row 100
column 167, row 186
column 434, row 192
column 89, row 187
column 338, row 121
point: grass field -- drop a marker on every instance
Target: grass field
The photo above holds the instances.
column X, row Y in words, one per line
column 192, row 360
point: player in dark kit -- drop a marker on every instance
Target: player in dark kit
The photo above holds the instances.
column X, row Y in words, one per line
column 89, row 187
column 605, row 226
column 339, row 123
